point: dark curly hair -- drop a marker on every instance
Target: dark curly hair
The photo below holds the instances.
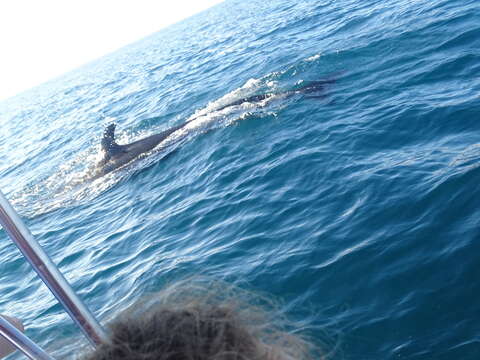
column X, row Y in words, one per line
column 188, row 321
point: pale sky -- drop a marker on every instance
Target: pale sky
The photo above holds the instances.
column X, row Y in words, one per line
column 42, row 39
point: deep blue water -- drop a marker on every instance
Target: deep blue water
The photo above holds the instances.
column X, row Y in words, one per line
column 358, row 211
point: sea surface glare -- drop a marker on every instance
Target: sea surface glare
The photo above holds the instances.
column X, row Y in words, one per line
column 359, row 211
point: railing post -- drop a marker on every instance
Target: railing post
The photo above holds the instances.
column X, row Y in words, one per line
column 49, row 273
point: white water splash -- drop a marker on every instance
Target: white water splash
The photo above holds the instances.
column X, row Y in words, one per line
column 313, row 57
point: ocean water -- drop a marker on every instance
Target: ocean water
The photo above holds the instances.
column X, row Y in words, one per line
column 357, row 211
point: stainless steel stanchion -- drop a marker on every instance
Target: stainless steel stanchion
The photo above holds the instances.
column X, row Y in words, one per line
column 49, row 273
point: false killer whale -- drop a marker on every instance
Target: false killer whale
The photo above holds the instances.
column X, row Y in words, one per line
column 115, row 155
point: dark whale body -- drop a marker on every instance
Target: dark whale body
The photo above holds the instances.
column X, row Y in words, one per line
column 316, row 87
column 115, row 155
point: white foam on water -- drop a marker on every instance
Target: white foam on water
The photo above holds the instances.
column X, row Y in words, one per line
column 313, row 57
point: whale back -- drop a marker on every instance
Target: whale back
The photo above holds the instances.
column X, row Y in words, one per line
column 115, row 155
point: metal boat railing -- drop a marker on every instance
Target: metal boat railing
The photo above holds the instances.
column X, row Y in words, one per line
column 54, row 280
column 21, row 342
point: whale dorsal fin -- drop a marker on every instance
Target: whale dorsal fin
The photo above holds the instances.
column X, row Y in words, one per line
column 109, row 146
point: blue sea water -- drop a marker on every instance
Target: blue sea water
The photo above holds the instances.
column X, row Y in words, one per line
column 359, row 211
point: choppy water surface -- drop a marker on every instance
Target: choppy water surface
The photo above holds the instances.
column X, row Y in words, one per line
column 358, row 210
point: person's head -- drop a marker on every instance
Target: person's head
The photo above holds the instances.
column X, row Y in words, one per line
column 189, row 322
